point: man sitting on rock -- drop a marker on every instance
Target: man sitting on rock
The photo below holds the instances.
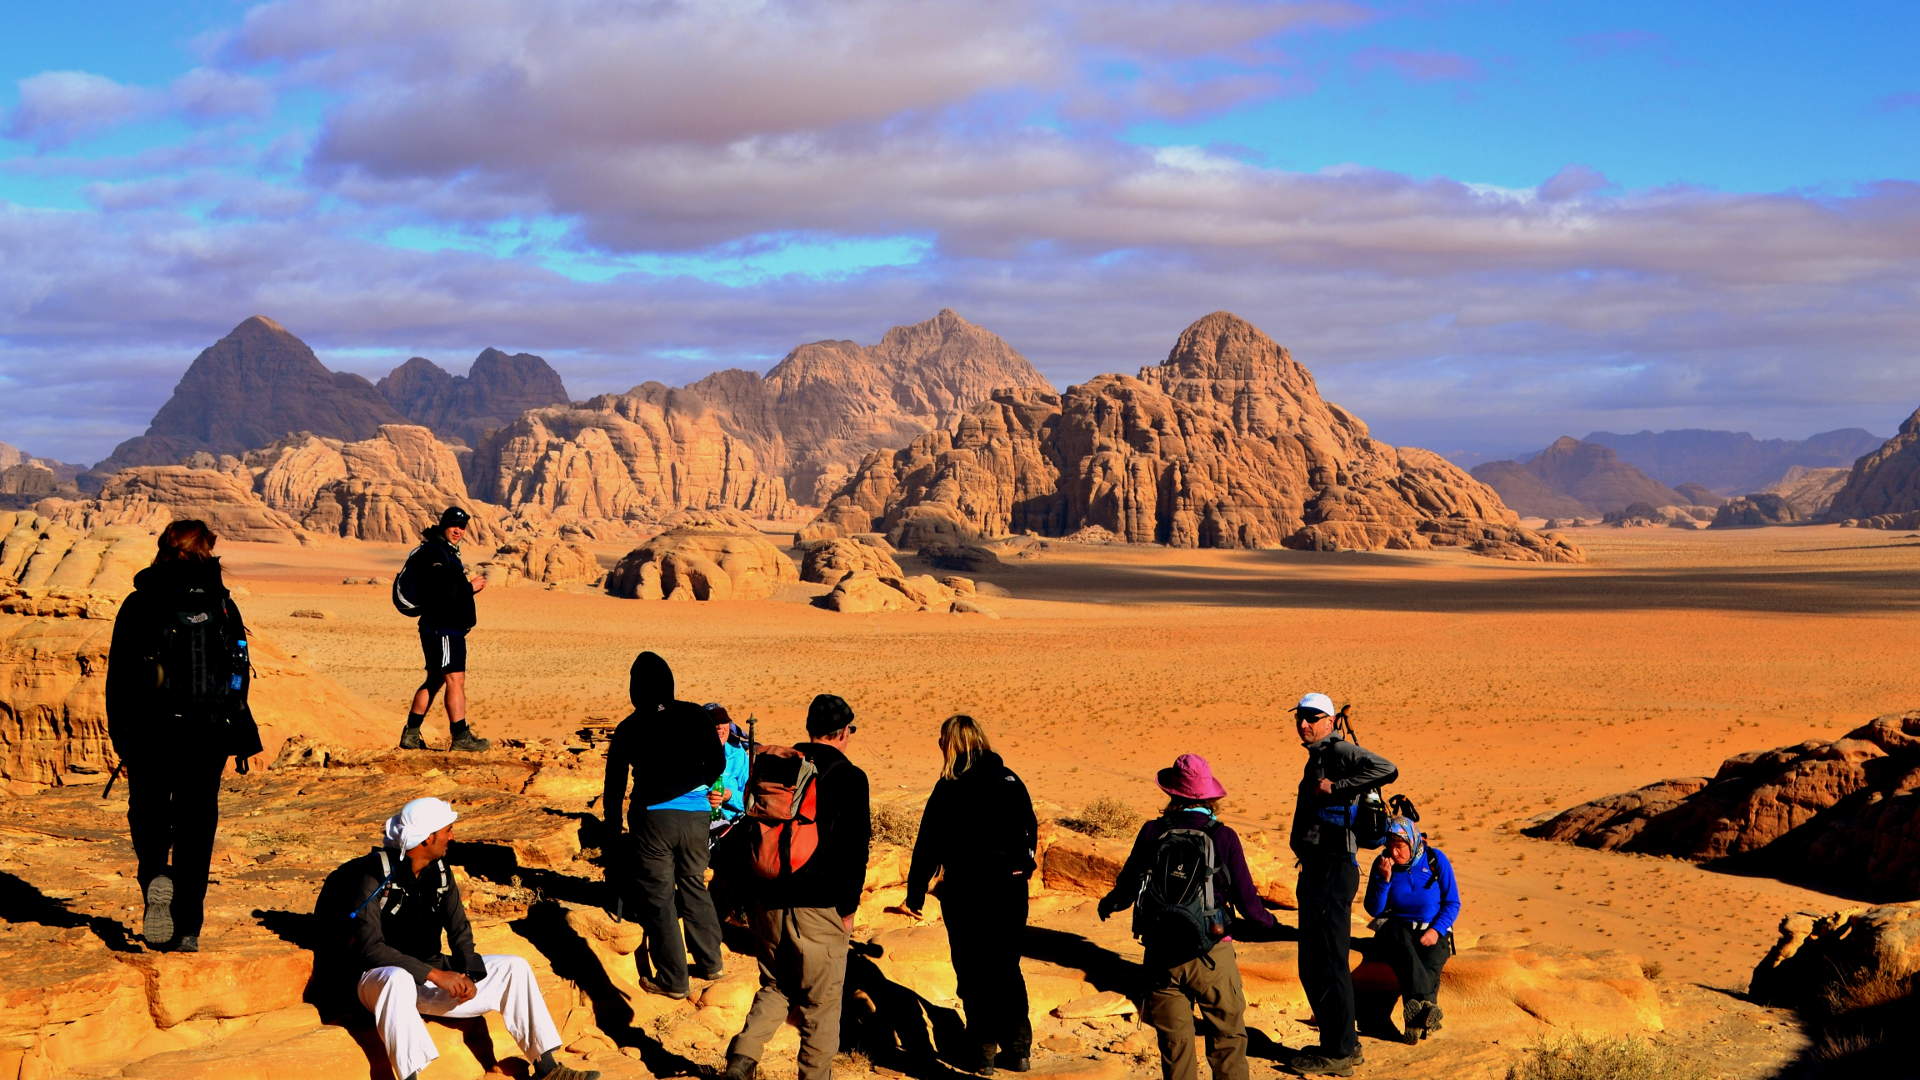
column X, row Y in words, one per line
column 410, row 901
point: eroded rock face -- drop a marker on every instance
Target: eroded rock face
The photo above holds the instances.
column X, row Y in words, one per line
column 1810, row 491
column 463, row 408
column 704, row 557
column 254, row 386
column 387, row 488
column 545, row 560
column 1839, row 812
column 1884, row 482
column 1760, row 508
column 1818, row 955
column 828, row 561
column 169, row 492
column 1572, row 478
column 1226, row 444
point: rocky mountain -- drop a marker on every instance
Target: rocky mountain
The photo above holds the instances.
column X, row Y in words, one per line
column 1884, row 483
column 1809, row 491
column 386, row 488
column 1760, row 508
column 1572, row 478
column 463, row 408
column 1839, row 813
column 1733, row 462
column 12, row 458
column 1226, row 444
column 254, row 386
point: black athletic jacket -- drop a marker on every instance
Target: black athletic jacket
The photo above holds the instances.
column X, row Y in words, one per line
column 136, row 721
column 978, row 827
column 1353, row 769
column 437, row 581
column 402, row 926
column 666, row 746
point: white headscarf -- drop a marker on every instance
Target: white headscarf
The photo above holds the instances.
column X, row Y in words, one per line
column 416, row 821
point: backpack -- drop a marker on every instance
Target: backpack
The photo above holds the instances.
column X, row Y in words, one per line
column 201, row 658
column 337, row 910
column 1176, row 915
column 781, row 825
column 406, row 594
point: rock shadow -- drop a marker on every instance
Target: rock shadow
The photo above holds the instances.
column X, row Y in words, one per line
column 895, row 1027
column 545, row 927
column 20, row 902
column 1104, row 968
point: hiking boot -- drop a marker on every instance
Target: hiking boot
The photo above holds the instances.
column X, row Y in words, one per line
column 1319, row 1063
column 978, row 1059
column 466, row 742
column 1013, row 1061
column 652, row 987
column 739, row 1067
column 1430, row 1020
column 712, row 974
column 410, row 739
column 187, row 943
column 1411, row 1010
column 157, row 925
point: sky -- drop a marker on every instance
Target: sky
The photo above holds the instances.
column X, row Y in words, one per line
column 1481, row 224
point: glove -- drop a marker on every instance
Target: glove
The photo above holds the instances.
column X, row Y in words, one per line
column 240, row 764
column 1108, row 905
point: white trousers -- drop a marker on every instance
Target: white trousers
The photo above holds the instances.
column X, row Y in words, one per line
column 509, row 989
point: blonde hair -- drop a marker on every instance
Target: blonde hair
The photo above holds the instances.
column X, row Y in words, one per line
column 962, row 741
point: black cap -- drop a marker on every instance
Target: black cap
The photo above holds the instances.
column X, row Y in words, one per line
column 828, row 714
column 454, row 518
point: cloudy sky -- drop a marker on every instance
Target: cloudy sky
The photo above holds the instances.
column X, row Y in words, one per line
column 1481, row 223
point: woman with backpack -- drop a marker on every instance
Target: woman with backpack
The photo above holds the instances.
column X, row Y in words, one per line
column 1185, row 877
column 177, row 681
column 978, row 831
column 1414, row 901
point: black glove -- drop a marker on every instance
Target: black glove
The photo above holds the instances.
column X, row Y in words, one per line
column 240, row 764
column 1108, row 905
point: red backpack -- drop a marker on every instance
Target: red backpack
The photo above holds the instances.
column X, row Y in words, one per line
column 781, row 822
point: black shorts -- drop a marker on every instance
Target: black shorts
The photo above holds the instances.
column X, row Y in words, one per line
column 445, row 650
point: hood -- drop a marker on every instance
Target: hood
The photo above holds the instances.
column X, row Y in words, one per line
column 650, row 682
column 983, row 765
column 174, row 574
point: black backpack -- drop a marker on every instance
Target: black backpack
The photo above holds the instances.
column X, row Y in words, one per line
column 201, row 657
column 1176, row 915
column 406, row 594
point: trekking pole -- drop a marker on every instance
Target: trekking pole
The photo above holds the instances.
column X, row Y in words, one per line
column 753, row 743
column 108, row 790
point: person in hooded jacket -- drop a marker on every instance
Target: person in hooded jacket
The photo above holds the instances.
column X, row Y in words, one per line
column 1414, row 900
column 173, row 741
column 978, row 832
column 436, row 582
column 667, row 750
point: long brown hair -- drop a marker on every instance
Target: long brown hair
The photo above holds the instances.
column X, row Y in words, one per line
column 186, row 540
column 1177, row 803
column 962, row 741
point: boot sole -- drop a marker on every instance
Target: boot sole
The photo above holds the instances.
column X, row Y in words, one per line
column 156, row 925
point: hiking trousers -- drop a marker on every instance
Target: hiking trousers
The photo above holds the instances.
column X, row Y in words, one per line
column 173, row 810
column 670, row 852
column 986, row 926
column 1325, row 893
column 398, row 1004
column 1397, row 944
column 803, row 968
column 1211, row 984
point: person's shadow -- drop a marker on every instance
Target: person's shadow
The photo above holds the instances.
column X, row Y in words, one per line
column 894, row 1026
column 20, row 902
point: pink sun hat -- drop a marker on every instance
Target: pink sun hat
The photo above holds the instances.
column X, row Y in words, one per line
column 1190, row 777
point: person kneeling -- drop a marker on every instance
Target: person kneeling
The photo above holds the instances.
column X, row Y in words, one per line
column 1412, row 895
column 410, row 901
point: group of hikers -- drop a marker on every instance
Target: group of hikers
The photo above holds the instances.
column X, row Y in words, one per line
column 784, row 833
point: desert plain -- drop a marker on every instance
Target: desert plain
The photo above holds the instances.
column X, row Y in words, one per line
column 1503, row 691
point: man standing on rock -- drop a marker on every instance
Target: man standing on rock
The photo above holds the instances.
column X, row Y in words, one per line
column 1338, row 773
column 435, row 586
column 411, row 900
column 802, row 917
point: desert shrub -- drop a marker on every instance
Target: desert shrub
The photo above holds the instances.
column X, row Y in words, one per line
column 1104, row 817
column 1652, row 968
column 1620, row 1058
column 896, row 825
column 1862, row 992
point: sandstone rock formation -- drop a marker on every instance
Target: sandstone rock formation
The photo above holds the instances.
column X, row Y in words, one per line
column 252, row 387
column 1226, row 444
column 59, row 592
column 1810, row 491
column 463, row 408
column 230, row 508
column 1818, row 956
column 1760, row 508
column 827, row 561
column 1885, row 482
column 703, row 557
column 869, row 591
column 1838, row 813
column 63, row 472
column 1701, row 495
column 1572, row 478
column 385, row 488
column 546, row 560
column 1732, row 460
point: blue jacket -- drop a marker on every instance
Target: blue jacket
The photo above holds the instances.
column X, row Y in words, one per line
column 733, row 778
column 1415, row 893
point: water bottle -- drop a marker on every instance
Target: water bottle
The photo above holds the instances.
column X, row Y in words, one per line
column 239, row 665
column 716, row 789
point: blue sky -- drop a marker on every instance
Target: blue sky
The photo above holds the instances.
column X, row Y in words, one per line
column 1481, row 224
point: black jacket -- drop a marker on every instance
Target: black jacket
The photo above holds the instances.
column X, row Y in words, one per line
column 402, row 926
column 141, row 724
column 977, row 827
column 836, row 875
column 666, row 747
column 437, row 581
column 1353, row 769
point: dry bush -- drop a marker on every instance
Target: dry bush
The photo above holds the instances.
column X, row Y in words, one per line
column 1104, row 817
column 1621, row 1058
column 1865, row 992
column 896, row 825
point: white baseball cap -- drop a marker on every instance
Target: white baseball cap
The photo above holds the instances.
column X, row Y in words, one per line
column 1319, row 703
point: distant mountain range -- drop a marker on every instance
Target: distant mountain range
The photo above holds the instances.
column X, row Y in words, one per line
column 1733, row 462
column 1573, row 478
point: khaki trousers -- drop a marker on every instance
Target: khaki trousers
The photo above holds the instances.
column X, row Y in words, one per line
column 1216, row 991
column 803, row 966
